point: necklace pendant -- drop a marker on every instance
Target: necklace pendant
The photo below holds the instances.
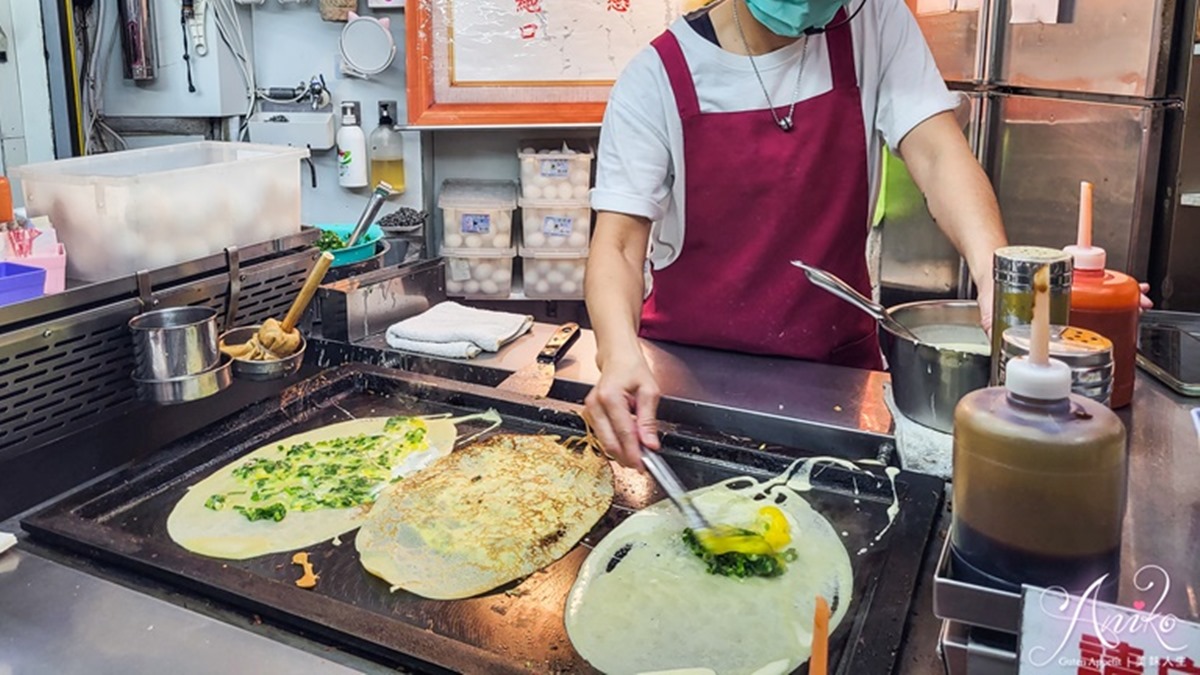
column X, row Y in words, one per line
column 785, row 123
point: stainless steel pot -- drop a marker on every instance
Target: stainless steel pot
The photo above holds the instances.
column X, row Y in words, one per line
column 175, row 342
column 188, row 387
column 931, row 374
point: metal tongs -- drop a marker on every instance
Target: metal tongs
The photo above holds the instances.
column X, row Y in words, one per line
column 662, row 472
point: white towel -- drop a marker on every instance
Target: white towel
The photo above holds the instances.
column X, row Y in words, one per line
column 922, row 450
column 451, row 330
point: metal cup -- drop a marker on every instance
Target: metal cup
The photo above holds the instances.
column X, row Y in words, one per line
column 175, row 342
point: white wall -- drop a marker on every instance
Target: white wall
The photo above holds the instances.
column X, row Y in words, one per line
column 26, row 134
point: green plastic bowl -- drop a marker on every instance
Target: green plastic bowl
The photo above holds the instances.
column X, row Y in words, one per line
column 360, row 251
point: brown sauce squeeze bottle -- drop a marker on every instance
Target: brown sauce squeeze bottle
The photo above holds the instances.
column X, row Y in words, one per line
column 1039, row 477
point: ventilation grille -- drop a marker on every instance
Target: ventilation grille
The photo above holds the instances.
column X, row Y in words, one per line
column 59, row 377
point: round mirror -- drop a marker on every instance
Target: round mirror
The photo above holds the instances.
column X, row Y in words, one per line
column 367, row 46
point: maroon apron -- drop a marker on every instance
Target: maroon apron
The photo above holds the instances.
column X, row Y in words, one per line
column 758, row 198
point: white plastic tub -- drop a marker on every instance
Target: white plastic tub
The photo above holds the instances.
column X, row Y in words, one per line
column 479, row 273
column 146, row 209
column 477, row 214
column 553, row 275
column 555, row 170
column 555, row 226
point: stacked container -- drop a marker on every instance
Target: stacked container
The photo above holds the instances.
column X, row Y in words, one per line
column 477, row 237
column 556, row 218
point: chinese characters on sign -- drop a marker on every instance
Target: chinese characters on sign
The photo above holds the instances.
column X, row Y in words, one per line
column 1096, row 658
column 529, row 30
column 621, row 6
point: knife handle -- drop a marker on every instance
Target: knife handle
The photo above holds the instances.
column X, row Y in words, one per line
column 559, row 343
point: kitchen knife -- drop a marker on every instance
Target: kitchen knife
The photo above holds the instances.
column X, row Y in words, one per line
column 535, row 379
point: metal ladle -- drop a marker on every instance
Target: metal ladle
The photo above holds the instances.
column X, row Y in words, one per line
column 845, row 291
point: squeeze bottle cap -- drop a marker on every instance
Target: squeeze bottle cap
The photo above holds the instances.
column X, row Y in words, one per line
column 1087, row 257
column 1038, row 376
column 349, row 114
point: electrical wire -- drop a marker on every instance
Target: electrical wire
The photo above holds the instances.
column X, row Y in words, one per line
column 229, row 27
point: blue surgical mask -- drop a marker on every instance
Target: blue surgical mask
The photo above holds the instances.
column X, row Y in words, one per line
column 790, row 18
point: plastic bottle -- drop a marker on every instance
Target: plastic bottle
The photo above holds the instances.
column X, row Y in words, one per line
column 387, row 149
column 6, row 201
column 1105, row 301
column 352, row 148
column 1039, row 478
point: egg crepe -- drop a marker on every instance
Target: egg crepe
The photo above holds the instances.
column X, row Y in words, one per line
column 305, row 488
column 492, row 512
column 645, row 603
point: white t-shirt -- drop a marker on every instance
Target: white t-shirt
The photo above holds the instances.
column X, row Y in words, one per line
column 640, row 167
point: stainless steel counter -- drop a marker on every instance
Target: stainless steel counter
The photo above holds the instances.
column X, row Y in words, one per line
column 785, row 397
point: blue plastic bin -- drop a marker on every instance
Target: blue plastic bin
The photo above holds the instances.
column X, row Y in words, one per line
column 20, row 282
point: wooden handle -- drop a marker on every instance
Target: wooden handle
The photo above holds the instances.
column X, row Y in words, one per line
column 307, row 291
column 819, row 663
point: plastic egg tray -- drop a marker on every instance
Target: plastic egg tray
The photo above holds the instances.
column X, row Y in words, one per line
column 479, row 273
column 555, row 171
column 555, row 226
column 553, row 275
column 477, row 214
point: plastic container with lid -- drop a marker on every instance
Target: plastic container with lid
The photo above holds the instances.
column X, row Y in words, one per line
column 479, row 273
column 126, row 211
column 553, row 275
column 1105, row 301
column 555, row 170
column 1013, row 268
column 477, row 214
column 555, row 226
column 1088, row 354
column 1039, row 478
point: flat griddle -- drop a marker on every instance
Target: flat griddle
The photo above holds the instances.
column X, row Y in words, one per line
column 515, row 629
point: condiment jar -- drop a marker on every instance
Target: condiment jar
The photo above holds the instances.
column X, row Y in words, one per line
column 1088, row 354
column 1013, row 268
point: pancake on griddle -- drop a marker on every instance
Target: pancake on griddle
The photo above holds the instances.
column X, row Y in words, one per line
column 305, row 488
column 644, row 602
column 487, row 514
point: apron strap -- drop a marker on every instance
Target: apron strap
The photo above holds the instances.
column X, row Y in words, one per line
column 840, row 41
column 678, row 73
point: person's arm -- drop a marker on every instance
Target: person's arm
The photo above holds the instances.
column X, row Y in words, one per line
column 621, row 407
column 959, row 197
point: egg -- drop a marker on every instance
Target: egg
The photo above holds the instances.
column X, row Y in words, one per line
column 565, row 266
column 454, row 241
column 577, row 240
column 454, row 287
column 556, row 241
column 473, row 241
column 578, row 273
column 579, row 177
column 483, row 270
column 542, row 287
column 531, row 191
column 569, row 287
column 503, row 274
column 504, row 226
column 500, row 241
column 529, row 167
column 544, row 266
column 554, row 277
column 542, row 182
column 580, row 192
column 471, row 287
column 565, row 191
column 528, row 150
column 535, row 240
column 532, row 274
column 543, row 152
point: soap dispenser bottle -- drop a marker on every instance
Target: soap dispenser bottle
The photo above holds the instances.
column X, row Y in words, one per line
column 351, row 148
column 1105, row 302
column 387, row 149
column 1039, row 477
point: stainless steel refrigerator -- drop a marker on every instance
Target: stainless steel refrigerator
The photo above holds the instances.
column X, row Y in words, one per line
column 1061, row 91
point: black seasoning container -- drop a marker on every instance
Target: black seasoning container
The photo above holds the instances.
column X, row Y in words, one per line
column 1013, row 268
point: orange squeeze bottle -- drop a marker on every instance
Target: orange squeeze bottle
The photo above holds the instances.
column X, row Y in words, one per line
column 6, row 201
column 1105, row 301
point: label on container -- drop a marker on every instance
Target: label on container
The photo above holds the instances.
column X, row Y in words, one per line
column 556, row 168
column 558, row 226
column 476, row 223
column 460, row 269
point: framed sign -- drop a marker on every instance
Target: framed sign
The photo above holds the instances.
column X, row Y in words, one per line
column 497, row 62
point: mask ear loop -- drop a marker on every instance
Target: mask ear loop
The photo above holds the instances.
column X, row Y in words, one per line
column 817, row 31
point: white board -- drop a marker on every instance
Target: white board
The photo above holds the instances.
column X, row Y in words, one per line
column 551, row 42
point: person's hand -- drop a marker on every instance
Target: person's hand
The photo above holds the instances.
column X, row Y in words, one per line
column 985, row 307
column 621, row 410
column 1146, row 302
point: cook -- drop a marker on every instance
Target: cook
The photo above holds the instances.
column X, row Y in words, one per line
column 747, row 135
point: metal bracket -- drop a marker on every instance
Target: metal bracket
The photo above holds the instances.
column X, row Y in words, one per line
column 234, row 290
column 145, row 290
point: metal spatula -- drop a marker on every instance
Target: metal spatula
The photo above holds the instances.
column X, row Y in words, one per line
column 536, row 378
